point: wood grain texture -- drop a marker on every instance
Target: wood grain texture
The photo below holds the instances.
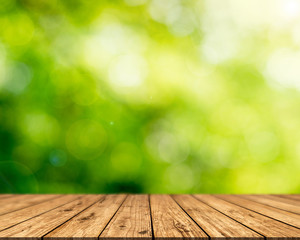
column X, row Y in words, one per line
column 37, row 227
column 278, row 214
column 163, row 217
column 91, row 222
column 2, row 196
column 285, row 200
column 22, row 201
column 214, row 223
column 290, row 196
column 169, row 221
column 132, row 221
column 265, row 226
column 14, row 218
column 283, row 204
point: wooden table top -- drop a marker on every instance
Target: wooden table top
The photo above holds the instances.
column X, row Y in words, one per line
column 149, row 216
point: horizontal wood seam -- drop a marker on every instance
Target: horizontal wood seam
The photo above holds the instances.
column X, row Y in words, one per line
column 230, row 217
column 38, row 214
column 70, row 218
column 271, row 205
column 256, row 211
column 43, row 201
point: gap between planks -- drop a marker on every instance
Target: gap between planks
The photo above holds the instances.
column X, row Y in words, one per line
column 151, row 217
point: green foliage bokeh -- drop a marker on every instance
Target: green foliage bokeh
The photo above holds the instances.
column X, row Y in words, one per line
column 157, row 96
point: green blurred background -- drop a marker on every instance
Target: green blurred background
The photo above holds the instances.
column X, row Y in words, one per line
column 156, row 96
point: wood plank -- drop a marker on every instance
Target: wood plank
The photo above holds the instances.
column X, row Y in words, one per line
column 285, row 200
column 37, row 227
column 23, row 201
column 284, row 205
column 263, row 225
column 170, row 221
column 5, row 201
column 283, row 216
column 63, row 217
column 290, row 196
column 132, row 221
column 89, row 223
column 214, row 223
column 13, row 218
column 2, row 196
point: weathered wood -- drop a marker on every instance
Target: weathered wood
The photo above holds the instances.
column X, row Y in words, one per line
column 214, row 223
column 37, row 227
column 163, row 217
column 23, row 201
column 290, row 196
column 14, row 218
column 285, row 200
column 169, row 221
column 265, row 226
column 89, row 223
column 284, row 204
column 2, row 196
column 132, row 221
column 283, row 216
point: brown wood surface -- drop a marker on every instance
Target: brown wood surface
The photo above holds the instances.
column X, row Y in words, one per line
column 169, row 221
column 268, row 227
column 214, row 223
column 290, row 196
column 132, row 221
column 91, row 222
column 22, row 201
column 10, row 219
column 120, row 216
column 278, row 214
column 7, row 195
column 281, row 203
column 37, row 227
column 293, row 202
